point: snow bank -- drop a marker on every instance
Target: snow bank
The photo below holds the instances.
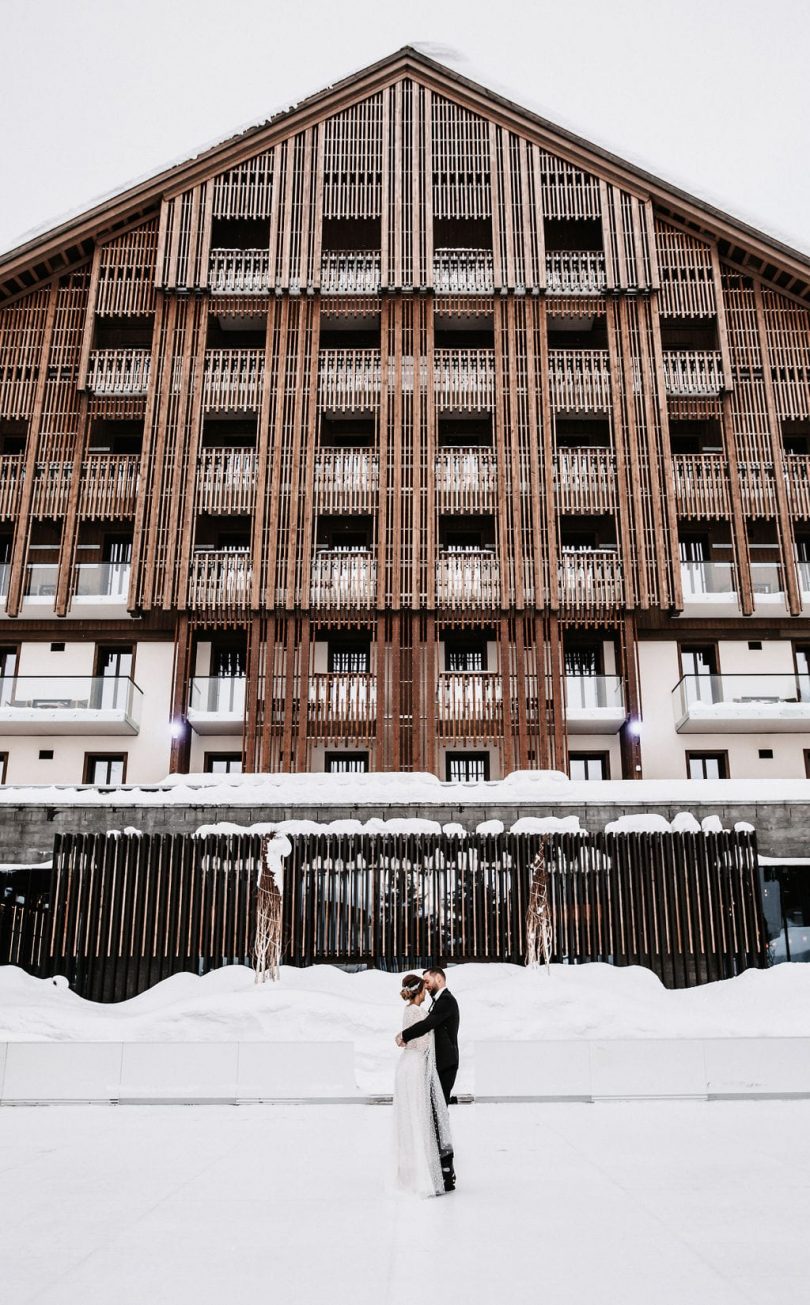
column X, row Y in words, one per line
column 497, row 1002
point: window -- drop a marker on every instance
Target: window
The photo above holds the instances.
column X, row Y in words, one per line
column 467, row 767
column 807, row 762
column 3, row 766
column 465, row 656
column 589, row 765
column 348, row 658
column 346, row 763
column 104, row 768
column 222, row 763
column 707, row 765
column 113, row 676
column 8, row 667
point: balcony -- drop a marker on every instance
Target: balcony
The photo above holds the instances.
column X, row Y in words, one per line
column 220, row 580
column 701, row 485
column 346, row 481
column 39, row 588
column 216, row 704
column 768, row 584
column 590, row 580
column 579, row 380
column 466, row 480
column 585, row 480
column 804, row 581
column 464, row 380
column 51, row 489
column 226, row 481
column 342, row 705
column 469, row 705
column 343, row 579
column 594, row 704
column 349, row 380
column 691, row 373
column 350, row 272
column 120, row 373
column 463, row 271
column 797, row 476
column 709, row 588
column 233, row 380
column 100, row 589
column 467, row 578
column 69, row 704
column 12, row 470
column 5, row 573
column 742, row 704
column 239, row 271
column 577, row 272
column 109, row 488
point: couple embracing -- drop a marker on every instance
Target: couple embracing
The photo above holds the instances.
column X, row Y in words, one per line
column 424, row 1080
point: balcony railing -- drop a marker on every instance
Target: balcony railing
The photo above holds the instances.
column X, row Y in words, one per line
column 464, row 379
column 109, row 488
column 692, row 373
column 344, row 578
column 466, row 480
column 701, row 485
column 463, row 271
column 350, row 272
column 467, row 578
column 701, row 581
column 41, row 579
column 346, row 480
column 590, row 579
column 220, row 580
column 239, row 271
column 469, row 704
column 797, row 475
column 51, row 488
column 108, row 580
column 349, row 379
column 226, row 481
column 575, row 272
column 69, row 704
column 233, row 379
column 580, row 379
column 216, row 704
column 767, row 580
column 119, row 371
column 5, row 572
column 594, row 704
column 342, row 705
column 742, row 704
column 804, row 577
column 12, row 470
column 585, row 480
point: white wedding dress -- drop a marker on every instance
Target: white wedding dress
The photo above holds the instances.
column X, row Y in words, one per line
column 421, row 1118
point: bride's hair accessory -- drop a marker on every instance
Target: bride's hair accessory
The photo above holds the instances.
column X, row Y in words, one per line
column 412, row 985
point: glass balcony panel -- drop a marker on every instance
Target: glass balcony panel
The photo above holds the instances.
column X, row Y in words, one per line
column 706, row 578
column 5, row 571
column 69, row 704
column 102, row 580
column 742, row 703
column 41, row 579
column 766, row 578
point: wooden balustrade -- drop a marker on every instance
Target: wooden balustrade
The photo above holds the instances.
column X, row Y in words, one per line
column 51, row 489
column 349, row 380
column 701, row 485
column 590, row 581
column 466, row 480
column 463, row 271
column 343, row 579
column 350, row 272
column 12, row 471
column 239, row 271
column 464, row 379
column 118, row 371
column 346, row 480
column 109, row 486
column 691, row 372
column 233, row 380
column 575, row 272
column 585, row 480
column 469, row 705
column 797, row 475
column 580, row 379
column 467, row 579
column 226, row 480
column 757, row 489
column 220, row 581
column 342, row 705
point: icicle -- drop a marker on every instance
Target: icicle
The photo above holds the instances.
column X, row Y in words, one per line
column 539, row 934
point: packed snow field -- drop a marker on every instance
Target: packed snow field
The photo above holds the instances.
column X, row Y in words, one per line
column 498, row 1002
column 624, row 1204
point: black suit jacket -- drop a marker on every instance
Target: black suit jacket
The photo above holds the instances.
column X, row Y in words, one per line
column 444, row 1020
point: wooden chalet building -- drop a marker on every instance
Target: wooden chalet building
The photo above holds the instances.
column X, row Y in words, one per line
column 404, row 432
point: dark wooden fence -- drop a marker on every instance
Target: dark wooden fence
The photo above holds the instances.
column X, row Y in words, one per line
column 124, row 912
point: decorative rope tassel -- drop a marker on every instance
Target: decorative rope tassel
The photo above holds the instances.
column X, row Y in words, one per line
column 539, row 933
column 267, row 948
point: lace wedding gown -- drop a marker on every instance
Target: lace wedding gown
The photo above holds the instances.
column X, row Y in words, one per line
column 421, row 1118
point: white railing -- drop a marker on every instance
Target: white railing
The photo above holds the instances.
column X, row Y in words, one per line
column 466, row 479
column 220, row 579
column 226, row 480
column 349, row 379
column 692, row 373
column 346, row 480
column 570, row 272
column 239, row 271
column 119, row 371
column 343, row 578
column 350, row 272
column 342, row 704
column 467, row 578
column 580, row 379
column 463, row 271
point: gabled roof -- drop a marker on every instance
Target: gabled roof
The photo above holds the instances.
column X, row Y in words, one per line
column 71, row 241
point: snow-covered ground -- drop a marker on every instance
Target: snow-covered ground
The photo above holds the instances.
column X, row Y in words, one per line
column 625, row 1204
column 498, row 1003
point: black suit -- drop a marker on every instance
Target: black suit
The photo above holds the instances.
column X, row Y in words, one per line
column 443, row 1018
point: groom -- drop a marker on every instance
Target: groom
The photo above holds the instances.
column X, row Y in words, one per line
column 443, row 1018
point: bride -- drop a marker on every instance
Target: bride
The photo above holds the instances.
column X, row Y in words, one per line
column 421, row 1118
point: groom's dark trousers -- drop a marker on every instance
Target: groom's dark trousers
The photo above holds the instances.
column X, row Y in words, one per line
column 447, row 1078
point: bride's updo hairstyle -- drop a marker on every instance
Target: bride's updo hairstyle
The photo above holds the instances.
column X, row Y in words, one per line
column 412, row 985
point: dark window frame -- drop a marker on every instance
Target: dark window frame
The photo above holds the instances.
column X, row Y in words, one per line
column 330, row 757
column 210, row 757
column 450, row 757
column 90, row 758
column 722, row 756
column 603, row 757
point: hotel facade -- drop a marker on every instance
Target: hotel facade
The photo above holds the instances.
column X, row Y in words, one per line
column 404, row 432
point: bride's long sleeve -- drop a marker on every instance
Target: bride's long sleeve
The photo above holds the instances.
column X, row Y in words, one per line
column 421, row 1044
